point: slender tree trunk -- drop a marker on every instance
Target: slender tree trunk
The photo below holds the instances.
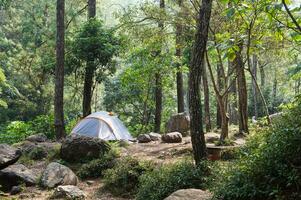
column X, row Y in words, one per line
column 262, row 77
column 224, row 118
column 220, row 88
column 275, row 83
column 242, row 92
column 87, row 98
column 206, row 100
column 158, row 85
column 158, row 99
column 233, row 114
column 89, row 70
column 179, row 46
column 59, row 72
column 254, row 89
column 195, row 72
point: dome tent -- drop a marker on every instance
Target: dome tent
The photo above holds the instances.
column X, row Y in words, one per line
column 103, row 125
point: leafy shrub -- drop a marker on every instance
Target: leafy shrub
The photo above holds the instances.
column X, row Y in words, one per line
column 44, row 124
column 123, row 179
column 95, row 168
column 270, row 164
column 15, row 131
column 230, row 154
column 160, row 183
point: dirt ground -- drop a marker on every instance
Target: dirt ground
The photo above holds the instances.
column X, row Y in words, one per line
column 160, row 153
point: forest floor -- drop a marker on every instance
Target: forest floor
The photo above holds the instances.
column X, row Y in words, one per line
column 157, row 152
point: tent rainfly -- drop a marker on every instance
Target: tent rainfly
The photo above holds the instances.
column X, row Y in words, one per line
column 103, row 125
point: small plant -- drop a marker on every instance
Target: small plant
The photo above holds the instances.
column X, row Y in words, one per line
column 160, row 183
column 95, row 168
column 37, row 153
column 123, row 179
column 226, row 142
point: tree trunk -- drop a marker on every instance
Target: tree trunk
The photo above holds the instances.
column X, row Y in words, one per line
column 262, row 77
column 275, row 83
column 158, row 85
column 220, row 88
column 254, row 89
column 59, row 72
column 242, row 92
column 91, row 9
column 224, row 118
column 233, row 114
column 158, row 99
column 195, row 72
column 87, row 98
column 179, row 46
column 89, row 70
column 206, row 100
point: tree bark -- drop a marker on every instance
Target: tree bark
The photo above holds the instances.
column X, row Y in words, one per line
column 179, row 46
column 220, row 88
column 158, row 85
column 59, row 72
column 233, row 114
column 242, row 92
column 195, row 72
column 158, row 101
column 262, row 77
column 224, row 118
column 89, row 70
column 254, row 89
column 206, row 100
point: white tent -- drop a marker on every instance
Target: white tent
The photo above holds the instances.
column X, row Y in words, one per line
column 103, row 125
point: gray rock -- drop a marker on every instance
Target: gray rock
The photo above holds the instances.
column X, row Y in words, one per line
column 174, row 137
column 56, row 174
column 212, row 137
column 69, row 192
column 190, row 194
column 15, row 190
column 16, row 174
column 155, row 136
column 144, row 138
column 90, row 182
column 8, row 155
column 75, row 148
column 179, row 123
column 37, row 138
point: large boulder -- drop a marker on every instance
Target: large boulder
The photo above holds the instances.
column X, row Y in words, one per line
column 76, row 148
column 56, row 174
column 8, row 155
column 179, row 123
column 37, row 138
column 69, row 192
column 190, row 194
column 16, row 174
column 155, row 136
column 144, row 138
column 174, row 137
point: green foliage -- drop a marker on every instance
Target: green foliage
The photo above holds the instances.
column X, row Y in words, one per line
column 95, row 168
column 44, row 124
column 269, row 165
column 160, row 183
column 123, row 179
column 95, row 45
column 15, row 131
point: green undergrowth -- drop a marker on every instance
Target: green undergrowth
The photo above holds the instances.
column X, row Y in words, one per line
column 269, row 165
